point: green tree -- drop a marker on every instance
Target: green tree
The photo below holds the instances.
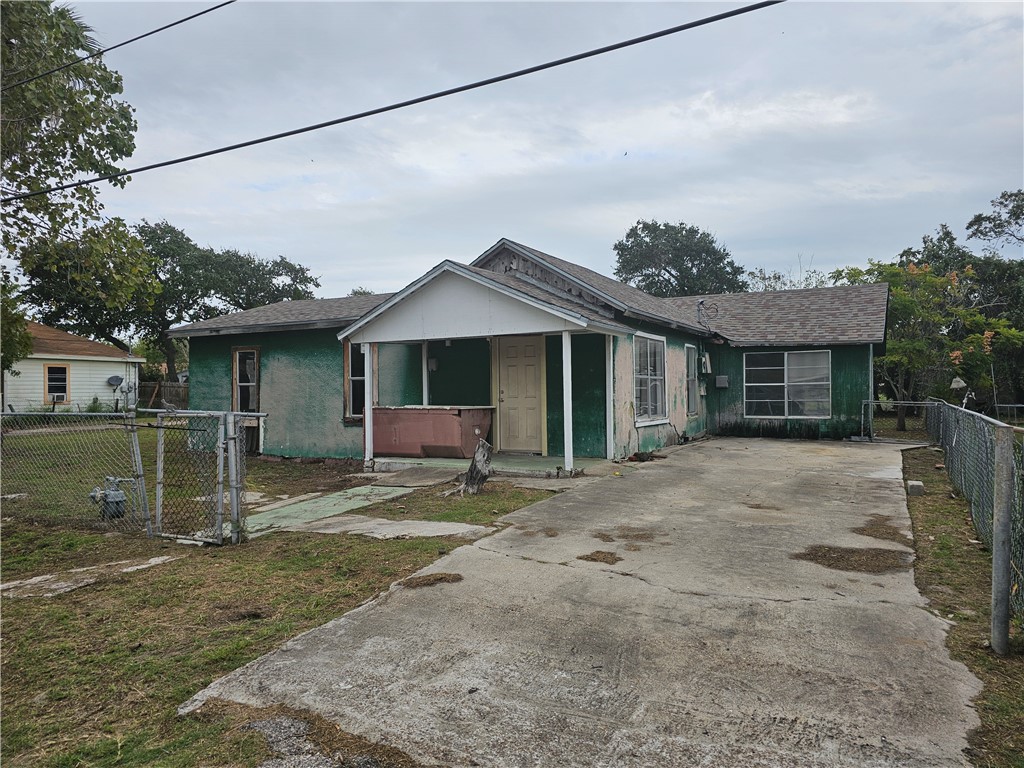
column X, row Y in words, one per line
column 191, row 283
column 1004, row 226
column 676, row 260
column 53, row 130
column 15, row 340
column 760, row 279
column 360, row 291
column 932, row 325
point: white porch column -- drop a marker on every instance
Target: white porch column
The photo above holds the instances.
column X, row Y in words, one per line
column 609, row 391
column 426, row 377
column 368, row 408
column 567, row 397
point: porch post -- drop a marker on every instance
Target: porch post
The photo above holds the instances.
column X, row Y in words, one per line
column 609, row 408
column 426, row 377
column 567, row 397
column 368, row 408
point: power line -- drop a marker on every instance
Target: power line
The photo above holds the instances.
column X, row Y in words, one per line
column 410, row 102
column 111, row 48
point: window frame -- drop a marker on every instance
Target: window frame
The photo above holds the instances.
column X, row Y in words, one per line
column 692, row 398
column 348, row 415
column 661, row 418
column 785, row 384
column 256, row 385
column 46, row 383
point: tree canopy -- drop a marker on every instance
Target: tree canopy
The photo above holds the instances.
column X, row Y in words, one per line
column 190, row 283
column 676, row 260
column 1004, row 225
column 15, row 340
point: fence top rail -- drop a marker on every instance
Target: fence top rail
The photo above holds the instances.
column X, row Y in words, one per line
column 69, row 414
column 168, row 412
column 901, row 402
column 975, row 414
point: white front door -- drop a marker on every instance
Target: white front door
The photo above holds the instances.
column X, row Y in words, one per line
column 519, row 393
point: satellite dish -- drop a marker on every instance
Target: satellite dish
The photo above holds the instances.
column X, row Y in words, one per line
column 115, row 381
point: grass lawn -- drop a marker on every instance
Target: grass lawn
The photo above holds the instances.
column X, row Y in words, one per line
column 494, row 500
column 955, row 575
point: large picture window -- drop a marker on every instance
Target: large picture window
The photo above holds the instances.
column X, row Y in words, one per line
column 649, row 378
column 788, row 385
column 355, row 380
column 245, row 395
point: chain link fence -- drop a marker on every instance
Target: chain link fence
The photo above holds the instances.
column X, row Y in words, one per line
column 80, row 469
column 975, row 462
column 175, row 474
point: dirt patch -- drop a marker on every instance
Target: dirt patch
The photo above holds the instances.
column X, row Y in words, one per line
column 430, row 579
column 599, row 556
column 633, row 547
column 855, row 559
column 550, row 532
column 756, row 505
column 632, row 533
column 606, row 537
column 231, row 613
column 881, row 527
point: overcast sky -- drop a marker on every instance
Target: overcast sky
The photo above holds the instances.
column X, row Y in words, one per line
column 826, row 132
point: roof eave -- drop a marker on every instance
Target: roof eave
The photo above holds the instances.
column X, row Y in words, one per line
column 237, row 330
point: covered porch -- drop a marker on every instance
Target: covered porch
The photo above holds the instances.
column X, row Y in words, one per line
column 541, row 373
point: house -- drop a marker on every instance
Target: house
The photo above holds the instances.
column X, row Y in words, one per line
column 67, row 371
column 542, row 356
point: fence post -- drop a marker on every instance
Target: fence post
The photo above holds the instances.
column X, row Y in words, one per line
column 232, row 461
column 140, row 474
column 222, row 441
column 1002, row 501
column 159, row 474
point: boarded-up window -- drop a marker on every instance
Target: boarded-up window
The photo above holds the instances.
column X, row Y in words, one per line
column 246, row 380
column 791, row 385
column 56, row 384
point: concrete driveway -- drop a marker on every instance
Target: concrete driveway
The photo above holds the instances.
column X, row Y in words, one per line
column 707, row 644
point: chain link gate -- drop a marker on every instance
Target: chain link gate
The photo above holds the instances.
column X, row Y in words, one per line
column 200, row 475
column 896, row 420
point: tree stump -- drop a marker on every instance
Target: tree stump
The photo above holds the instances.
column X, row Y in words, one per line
column 479, row 471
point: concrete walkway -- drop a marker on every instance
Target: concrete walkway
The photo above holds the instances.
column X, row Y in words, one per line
column 700, row 640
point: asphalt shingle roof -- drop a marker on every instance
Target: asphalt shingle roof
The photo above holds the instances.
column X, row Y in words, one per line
column 51, row 342
column 287, row 315
column 846, row 314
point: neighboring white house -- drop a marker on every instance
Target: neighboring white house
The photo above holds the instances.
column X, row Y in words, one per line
column 71, row 372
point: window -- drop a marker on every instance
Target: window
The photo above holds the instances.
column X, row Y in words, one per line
column 791, row 385
column 355, row 380
column 245, row 396
column 649, row 377
column 55, row 384
column 692, row 392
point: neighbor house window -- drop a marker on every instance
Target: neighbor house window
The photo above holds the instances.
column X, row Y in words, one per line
column 245, row 396
column 649, row 377
column 789, row 385
column 692, row 392
column 355, row 380
column 55, row 384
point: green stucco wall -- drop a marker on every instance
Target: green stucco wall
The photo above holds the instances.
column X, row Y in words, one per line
column 588, row 395
column 463, row 375
column 850, row 386
column 301, row 387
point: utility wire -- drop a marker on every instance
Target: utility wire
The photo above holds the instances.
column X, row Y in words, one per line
column 105, row 50
column 410, row 102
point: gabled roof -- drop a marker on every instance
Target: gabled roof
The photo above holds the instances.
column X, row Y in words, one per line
column 301, row 314
column 846, row 314
column 629, row 300
column 53, row 343
column 528, row 293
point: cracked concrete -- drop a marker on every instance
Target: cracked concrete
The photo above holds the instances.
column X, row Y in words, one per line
column 707, row 644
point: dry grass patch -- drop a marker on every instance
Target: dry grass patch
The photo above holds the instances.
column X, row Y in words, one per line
column 495, row 500
column 94, row 677
column 881, row 527
column 861, row 560
column 955, row 575
column 600, row 556
column 430, row 579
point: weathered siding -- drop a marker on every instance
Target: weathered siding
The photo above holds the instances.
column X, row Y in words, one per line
column 87, row 379
column 851, row 376
column 302, row 387
column 630, row 436
column 588, row 395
